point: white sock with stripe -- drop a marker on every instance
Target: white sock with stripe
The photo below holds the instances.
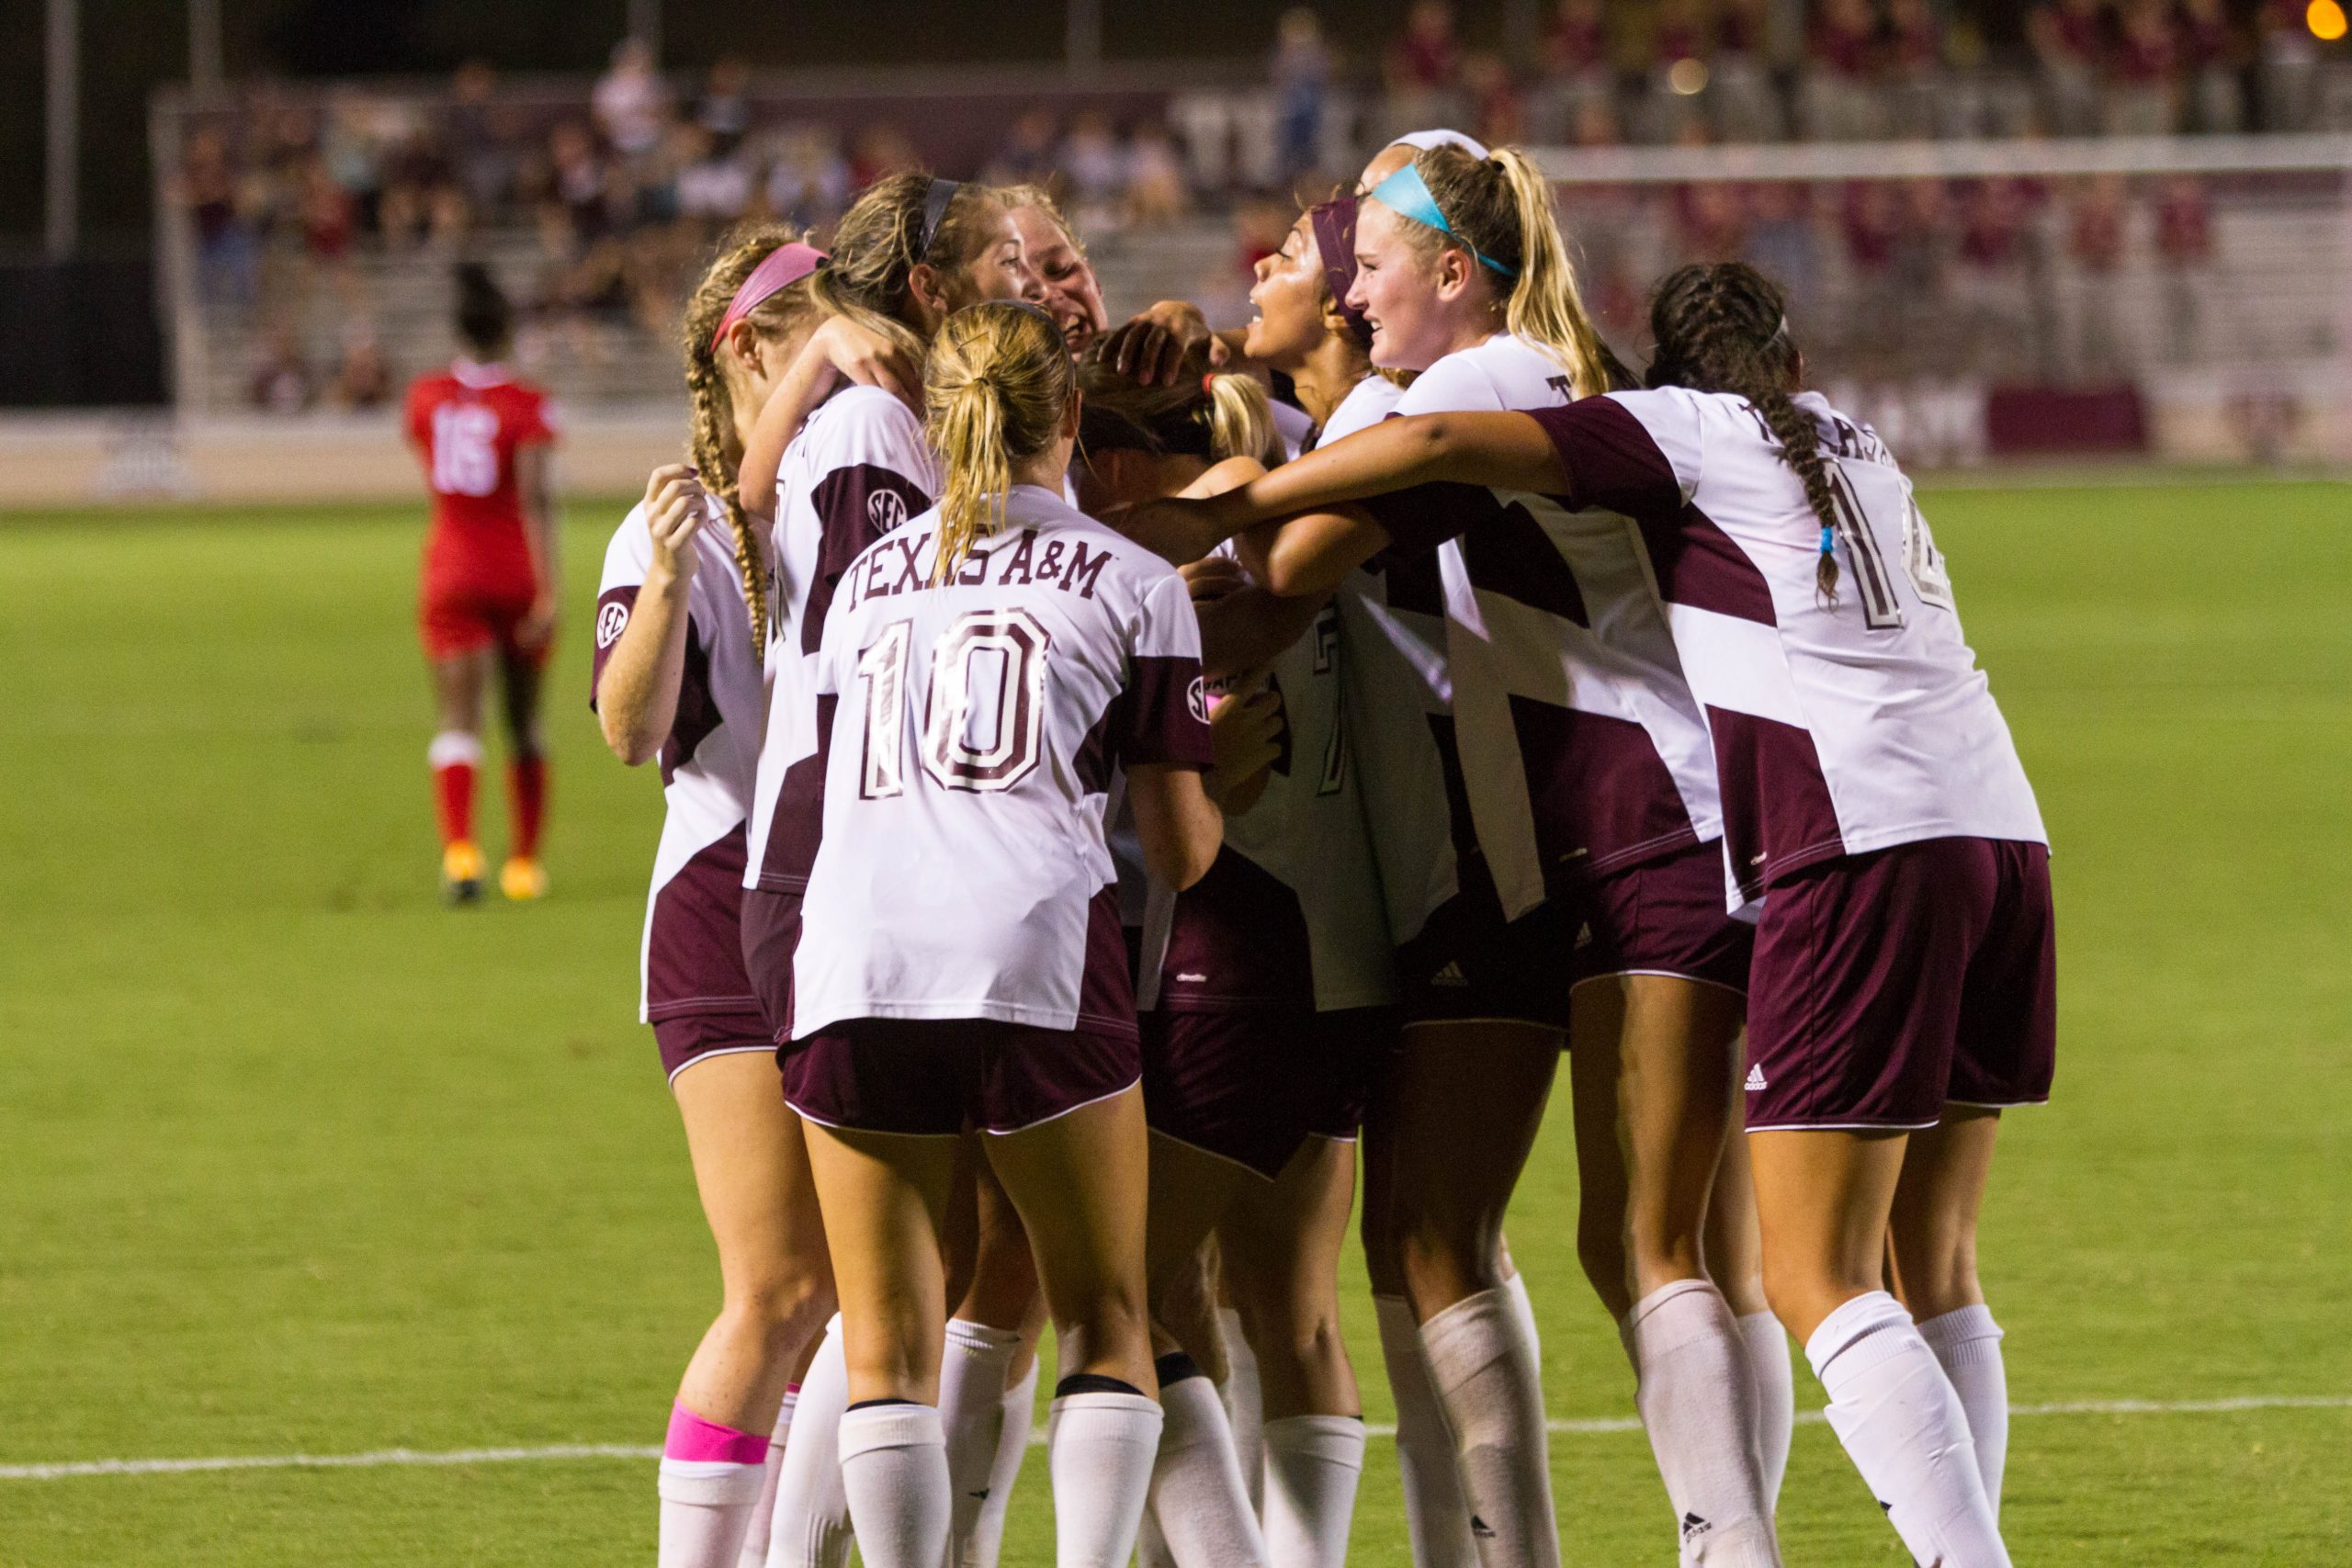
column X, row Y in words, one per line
column 1488, row 1381
column 1436, row 1521
column 1693, row 1390
column 1901, row 1424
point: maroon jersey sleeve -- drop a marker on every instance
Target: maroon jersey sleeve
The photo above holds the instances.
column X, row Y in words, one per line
column 1612, row 459
column 1163, row 714
column 856, row 504
column 613, row 606
column 1419, row 520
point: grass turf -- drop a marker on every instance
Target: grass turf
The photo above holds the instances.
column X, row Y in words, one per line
column 297, row 1161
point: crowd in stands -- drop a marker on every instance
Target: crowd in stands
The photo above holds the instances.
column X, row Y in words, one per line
column 602, row 199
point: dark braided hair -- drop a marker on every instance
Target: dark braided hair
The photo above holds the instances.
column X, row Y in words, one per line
column 1724, row 327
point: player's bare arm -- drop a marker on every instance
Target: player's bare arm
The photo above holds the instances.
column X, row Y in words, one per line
column 1179, row 825
column 637, row 695
column 840, row 350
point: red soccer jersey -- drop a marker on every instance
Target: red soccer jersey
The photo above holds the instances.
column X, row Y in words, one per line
column 467, row 424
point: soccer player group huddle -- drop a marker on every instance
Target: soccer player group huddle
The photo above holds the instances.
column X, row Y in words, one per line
column 1102, row 794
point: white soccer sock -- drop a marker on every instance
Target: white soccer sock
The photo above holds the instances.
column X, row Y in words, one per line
column 1776, row 1396
column 811, row 1526
column 1901, row 1424
column 1151, row 1547
column 1197, row 1495
column 1019, row 1403
column 755, row 1539
column 1244, row 1404
column 1313, row 1463
column 1490, row 1384
column 1967, row 1344
column 1697, row 1402
column 1522, row 1307
column 706, row 1508
column 972, row 1371
column 1436, row 1521
column 1100, row 1449
column 893, row 1467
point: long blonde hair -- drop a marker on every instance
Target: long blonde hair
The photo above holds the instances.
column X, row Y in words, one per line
column 1201, row 414
column 1500, row 206
column 875, row 251
column 713, row 446
column 998, row 386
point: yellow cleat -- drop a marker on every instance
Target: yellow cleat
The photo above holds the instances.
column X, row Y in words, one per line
column 461, row 868
column 523, row 880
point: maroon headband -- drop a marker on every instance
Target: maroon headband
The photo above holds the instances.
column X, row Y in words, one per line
column 778, row 270
column 1334, row 223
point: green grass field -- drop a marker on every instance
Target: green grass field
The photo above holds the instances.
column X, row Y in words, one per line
column 298, row 1162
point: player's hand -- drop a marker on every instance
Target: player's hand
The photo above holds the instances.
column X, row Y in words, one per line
column 1151, row 347
column 674, row 511
column 1212, row 577
column 866, row 357
column 537, row 628
column 1245, row 740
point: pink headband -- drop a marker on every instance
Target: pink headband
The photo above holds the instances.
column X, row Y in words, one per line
column 778, row 270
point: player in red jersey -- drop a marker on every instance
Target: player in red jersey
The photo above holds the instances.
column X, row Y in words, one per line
column 490, row 584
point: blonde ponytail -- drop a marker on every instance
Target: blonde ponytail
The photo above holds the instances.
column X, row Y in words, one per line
column 1499, row 207
column 997, row 387
column 1241, row 420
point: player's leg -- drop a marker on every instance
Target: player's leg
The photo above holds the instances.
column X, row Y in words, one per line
column 1824, row 1198
column 1932, row 1242
column 1280, row 1247
column 459, row 673
column 1470, row 1099
column 884, row 1197
column 1650, row 1062
column 1437, row 1520
column 752, row 1170
column 1079, row 1182
column 1200, row 1500
column 520, row 675
column 1734, row 1259
column 989, row 1377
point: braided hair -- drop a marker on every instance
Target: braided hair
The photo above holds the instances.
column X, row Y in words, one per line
column 715, row 447
column 1724, row 327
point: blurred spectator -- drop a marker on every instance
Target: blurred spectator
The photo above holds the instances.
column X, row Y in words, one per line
column 1157, row 192
column 1746, row 105
column 1301, row 76
column 1993, row 280
column 1781, row 242
column 1027, row 155
column 281, row 380
column 1841, row 63
column 489, row 139
column 2215, row 102
column 1095, row 168
column 579, row 190
column 363, row 380
column 1916, row 66
column 2183, row 254
column 724, row 110
column 1426, row 55
column 714, row 181
column 2096, row 239
column 219, row 210
column 1495, row 116
column 631, row 101
column 2288, row 61
column 2143, row 89
column 881, row 148
column 1574, row 70
column 809, row 182
column 2069, row 41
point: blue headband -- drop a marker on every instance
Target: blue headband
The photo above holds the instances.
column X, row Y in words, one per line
column 1405, row 194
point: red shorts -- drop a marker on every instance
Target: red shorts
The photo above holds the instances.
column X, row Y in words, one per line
column 459, row 615
column 1662, row 918
column 1253, row 1087
column 1888, row 986
column 935, row 1078
column 771, row 936
column 687, row 1039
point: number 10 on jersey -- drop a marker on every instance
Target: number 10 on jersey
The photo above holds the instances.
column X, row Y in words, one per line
column 984, row 706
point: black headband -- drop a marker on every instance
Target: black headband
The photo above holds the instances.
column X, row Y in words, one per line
column 935, row 201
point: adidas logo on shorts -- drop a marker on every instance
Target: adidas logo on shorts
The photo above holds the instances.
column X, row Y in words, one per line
column 1451, row 975
column 1755, row 1079
column 1584, row 936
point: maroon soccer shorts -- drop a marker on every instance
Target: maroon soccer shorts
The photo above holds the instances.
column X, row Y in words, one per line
column 935, row 1078
column 1665, row 916
column 1888, row 986
column 687, row 1039
column 1252, row 1087
column 771, row 936
column 1470, row 964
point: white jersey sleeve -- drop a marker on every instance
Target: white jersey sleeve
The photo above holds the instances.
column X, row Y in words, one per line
column 858, row 470
column 1839, row 726
column 690, row 960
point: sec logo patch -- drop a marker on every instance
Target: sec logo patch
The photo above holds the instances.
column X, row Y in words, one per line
column 611, row 620
column 885, row 510
column 1196, row 697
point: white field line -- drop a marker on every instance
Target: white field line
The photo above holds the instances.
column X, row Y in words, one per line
column 1590, row 1427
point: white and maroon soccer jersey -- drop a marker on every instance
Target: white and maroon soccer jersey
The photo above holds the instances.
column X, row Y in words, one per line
column 1838, row 728
column 972, row 730
column 1398, row 702
column 1583, row 751
column 858, row 470
column 1289, row 915
column 691, row 959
